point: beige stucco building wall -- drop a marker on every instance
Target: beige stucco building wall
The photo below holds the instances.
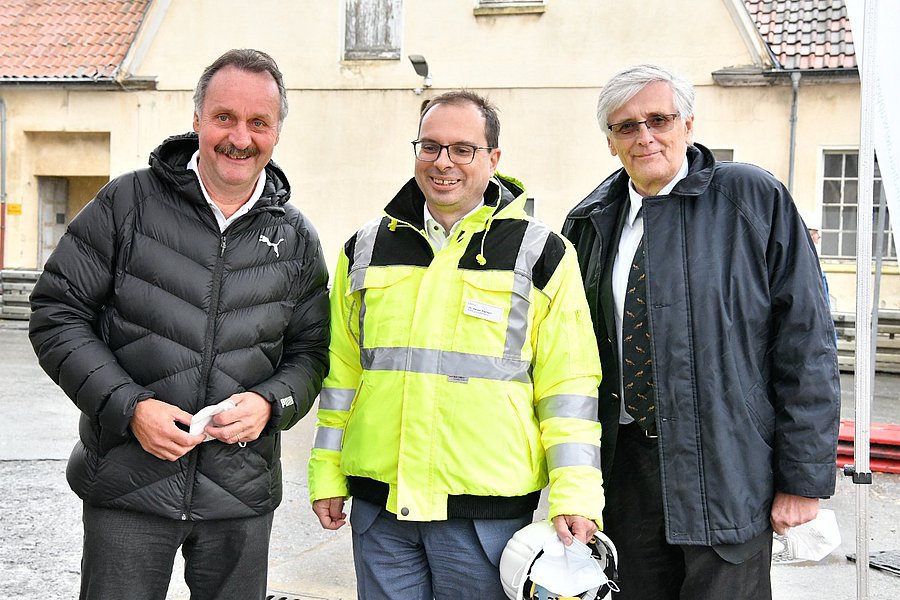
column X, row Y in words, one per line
column 345, row 144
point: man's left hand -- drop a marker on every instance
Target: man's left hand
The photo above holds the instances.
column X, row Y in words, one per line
column 568, row 526
column 244, row 422
column 789, row 511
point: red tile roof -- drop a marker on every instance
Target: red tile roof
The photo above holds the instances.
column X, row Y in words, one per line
column 66, row 39
column 805, row 34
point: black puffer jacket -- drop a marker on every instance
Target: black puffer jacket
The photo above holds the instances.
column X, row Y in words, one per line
column 144, row 297
column 744, row 358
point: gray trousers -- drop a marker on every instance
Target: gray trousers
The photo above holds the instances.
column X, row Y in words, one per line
column 440, row 560
column 130, row 555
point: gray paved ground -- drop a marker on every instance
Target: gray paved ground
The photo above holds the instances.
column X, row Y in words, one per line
column 40, row 526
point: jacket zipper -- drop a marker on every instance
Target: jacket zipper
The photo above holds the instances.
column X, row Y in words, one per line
column 206, row 367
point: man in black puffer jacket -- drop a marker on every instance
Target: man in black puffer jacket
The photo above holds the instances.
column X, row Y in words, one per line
column 179, row 287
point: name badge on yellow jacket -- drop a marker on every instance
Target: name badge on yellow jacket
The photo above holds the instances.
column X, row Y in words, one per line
column 480, row 310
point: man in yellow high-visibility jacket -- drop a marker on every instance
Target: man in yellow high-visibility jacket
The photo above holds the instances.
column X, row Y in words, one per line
column 463, row 377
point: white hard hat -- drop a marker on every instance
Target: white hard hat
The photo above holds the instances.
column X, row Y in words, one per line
column 527, row 545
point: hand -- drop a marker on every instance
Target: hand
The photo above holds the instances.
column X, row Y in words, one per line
column 330, row 512
column 573, row 525
column 244, row 422
column 789, row 511
column 153, row 424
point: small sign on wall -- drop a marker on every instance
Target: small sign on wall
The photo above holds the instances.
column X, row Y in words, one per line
column 14, row 209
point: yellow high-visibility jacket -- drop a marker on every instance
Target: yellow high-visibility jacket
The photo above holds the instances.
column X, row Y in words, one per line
column 462, row 381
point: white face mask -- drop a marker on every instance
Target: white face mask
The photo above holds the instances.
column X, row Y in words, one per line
column 567, row 570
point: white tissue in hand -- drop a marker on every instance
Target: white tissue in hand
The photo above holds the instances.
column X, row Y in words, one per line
column 202, row 418
column 816, row 539
column 567, row 570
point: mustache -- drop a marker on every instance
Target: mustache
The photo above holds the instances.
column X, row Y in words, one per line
column 232, row 151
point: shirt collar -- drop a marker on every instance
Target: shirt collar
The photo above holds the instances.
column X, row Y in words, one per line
column 435, row 230
column 637, row 201
column 429, row 218
column 244, row 208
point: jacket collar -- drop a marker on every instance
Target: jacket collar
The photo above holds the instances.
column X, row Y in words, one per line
column 169, row 162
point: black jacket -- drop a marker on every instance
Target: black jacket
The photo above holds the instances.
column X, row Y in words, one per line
column 145, row 297
column 744, row 356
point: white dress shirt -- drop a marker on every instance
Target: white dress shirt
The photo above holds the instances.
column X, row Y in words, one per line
column 632, row 233
column 223, row 221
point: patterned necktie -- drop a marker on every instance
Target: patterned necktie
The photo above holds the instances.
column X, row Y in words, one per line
column 637, row 372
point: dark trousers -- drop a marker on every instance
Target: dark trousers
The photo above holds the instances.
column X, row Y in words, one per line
column 649, row 567
column 130, row 555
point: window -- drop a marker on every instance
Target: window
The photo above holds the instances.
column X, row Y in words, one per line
column 508, row 7
column 839, row 208
column 721, row 154
column 372, row 29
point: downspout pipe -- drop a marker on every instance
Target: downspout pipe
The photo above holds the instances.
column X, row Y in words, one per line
column 2, row 181
column 795, row 86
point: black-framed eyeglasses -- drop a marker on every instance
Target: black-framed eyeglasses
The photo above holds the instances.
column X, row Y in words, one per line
column 459, row 154
column 655, row 124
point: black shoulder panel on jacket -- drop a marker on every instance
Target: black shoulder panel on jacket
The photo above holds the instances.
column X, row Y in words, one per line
column 546, row 265
column 350, row 248
column 501, row 248
column 402, row 246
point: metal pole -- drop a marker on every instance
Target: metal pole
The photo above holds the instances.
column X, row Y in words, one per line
column 795, row 87
column 876, row 290
column 863, row 371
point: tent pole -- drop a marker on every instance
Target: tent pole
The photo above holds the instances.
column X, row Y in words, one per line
column 864, row 371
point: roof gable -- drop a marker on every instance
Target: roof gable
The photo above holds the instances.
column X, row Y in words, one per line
column 68, row 40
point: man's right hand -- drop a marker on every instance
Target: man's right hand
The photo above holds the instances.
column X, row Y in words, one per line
column 153, row 424
column 330, row 512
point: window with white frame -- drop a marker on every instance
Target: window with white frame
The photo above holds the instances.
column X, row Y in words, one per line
column 840, row 183
column 372, row 29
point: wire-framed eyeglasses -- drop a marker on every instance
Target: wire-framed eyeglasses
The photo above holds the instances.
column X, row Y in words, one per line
column 459, row 154
column 655, row 124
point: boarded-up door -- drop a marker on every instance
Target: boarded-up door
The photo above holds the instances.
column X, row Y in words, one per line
column 53, row 197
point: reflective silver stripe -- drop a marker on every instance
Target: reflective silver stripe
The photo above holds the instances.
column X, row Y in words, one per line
column 517, row 322
column 328, row 438
column 569, row 406
column 362, row 316
column 533, row 243
column 362, row 258
column 443, row 362
column 573, row 454
column 336, row 398
column 530, row 251
column 362, row 253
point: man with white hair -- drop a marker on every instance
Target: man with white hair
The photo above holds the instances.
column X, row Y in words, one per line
column 720, row 396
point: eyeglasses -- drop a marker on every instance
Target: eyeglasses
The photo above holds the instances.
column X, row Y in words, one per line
column 459, row 154
column 655, row 124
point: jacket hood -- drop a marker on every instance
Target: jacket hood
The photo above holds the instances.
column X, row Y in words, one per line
column 701, row 165
column 505, row 193
column 169, row 161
